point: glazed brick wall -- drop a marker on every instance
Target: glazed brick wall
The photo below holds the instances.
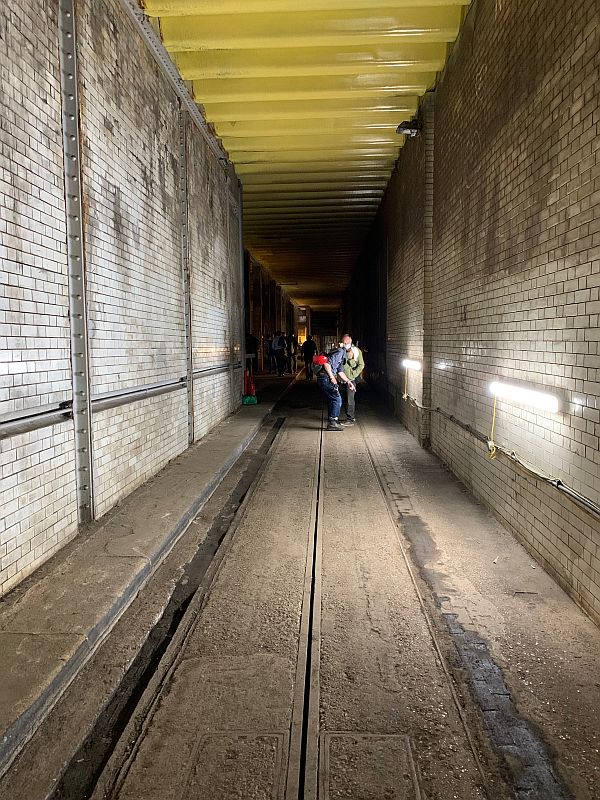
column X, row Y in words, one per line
column 135, row 293
column 37, row 489
column 515, row 289
column 521, row 281
column 39, row 503
column 214, row 266
column 517, row 263
column 401, row 241
column 208, row 256
column 130, row 142
column 129, row 447
column 211, row 394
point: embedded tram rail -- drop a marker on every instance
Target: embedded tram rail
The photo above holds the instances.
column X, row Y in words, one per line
column 249, row 699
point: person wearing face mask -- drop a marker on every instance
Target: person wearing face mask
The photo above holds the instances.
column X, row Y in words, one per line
column 353, row 365
column 328, row 380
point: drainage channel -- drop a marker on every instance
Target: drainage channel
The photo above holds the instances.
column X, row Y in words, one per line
column 81, row 775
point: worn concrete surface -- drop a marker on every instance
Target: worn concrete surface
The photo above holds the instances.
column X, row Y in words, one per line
column 52, row 623
column 223, row 721
column 380, row 673
column 474, row 637
column 386, row 725
column 478, row 575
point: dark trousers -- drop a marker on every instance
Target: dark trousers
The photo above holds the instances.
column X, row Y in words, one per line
column 280, row 360
column 331, row 392
column 308, row 368
column 349, row 401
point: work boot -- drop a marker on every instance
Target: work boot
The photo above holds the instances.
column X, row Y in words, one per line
column 334, row 425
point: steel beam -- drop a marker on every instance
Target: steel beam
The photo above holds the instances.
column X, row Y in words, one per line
column 185, row 264
column 76, row 261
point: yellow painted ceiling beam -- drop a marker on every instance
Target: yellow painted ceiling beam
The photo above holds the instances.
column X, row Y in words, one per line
column 294, row 230
column 325, row 141
column 384, row 122
column 306, row 96
column 179, row 8
column 246, row 90
column 352, row 175
column 341, row 108
column 269, row 63
column 299, row 187
column 310, row 156
column 298, row 192
column 289, row 217
column 318, row 215
column 303, row 203
column 310, row 28
column 326, row 166
column 281, row 235
column 309, row 204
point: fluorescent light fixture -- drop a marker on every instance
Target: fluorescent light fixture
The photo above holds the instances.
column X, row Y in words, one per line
column 525, row 397
column 408, row 363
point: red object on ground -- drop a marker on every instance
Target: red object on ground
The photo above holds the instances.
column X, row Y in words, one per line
column 249, row 388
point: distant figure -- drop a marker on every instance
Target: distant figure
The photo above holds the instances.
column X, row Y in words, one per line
column 270, row 365
column 292, row 351
column 308, row 350
column 353, row 366
column 252, row 350
column 278, row 348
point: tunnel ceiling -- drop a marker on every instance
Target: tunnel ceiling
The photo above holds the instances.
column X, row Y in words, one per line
column 306, row 96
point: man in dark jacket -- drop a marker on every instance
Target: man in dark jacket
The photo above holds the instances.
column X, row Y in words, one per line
column 308, row 350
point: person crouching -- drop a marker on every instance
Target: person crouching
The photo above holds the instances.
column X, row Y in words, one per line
column 327, row 381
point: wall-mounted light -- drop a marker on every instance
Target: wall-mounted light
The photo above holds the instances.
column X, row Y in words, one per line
column 409, row 364
column 521, row 396
column 525, row 397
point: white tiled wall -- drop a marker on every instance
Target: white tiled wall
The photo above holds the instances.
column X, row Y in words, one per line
column 516, row 269
column 133, row 442
column 37, row 501
column 130, row 162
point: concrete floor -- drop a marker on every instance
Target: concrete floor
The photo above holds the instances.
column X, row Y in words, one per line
column 371, row 633
column 367, row 631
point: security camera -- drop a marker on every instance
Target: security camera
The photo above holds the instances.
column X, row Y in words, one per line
column 410, row 128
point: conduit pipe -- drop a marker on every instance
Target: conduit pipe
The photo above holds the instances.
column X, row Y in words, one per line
column 579, row 499
column 32, row 420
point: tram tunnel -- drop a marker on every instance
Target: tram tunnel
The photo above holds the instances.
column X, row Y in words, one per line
column 225, row 573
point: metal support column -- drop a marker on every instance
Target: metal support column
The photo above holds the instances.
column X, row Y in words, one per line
column 76, row 261
column 233, row 400
column 242, row 298
column 185, row 266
